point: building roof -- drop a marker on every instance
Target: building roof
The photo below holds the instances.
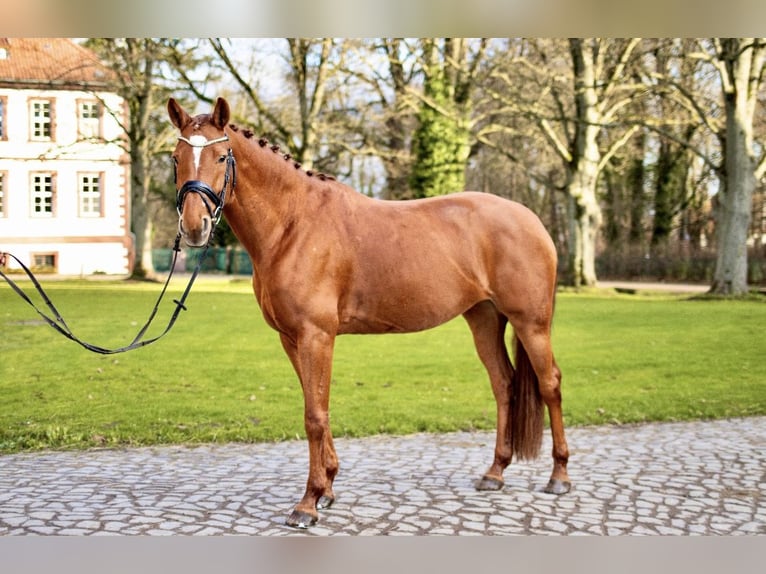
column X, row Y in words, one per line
column 49, row 62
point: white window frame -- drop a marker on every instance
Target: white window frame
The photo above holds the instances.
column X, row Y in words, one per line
column 3, row 194
column 89, row 119
column 39, row 122
column 90, row 194
column 3, row 118
column 40, row 194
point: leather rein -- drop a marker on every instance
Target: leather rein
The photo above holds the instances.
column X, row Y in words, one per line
column 193, row 186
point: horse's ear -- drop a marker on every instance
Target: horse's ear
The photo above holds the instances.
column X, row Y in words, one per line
column 220, row 115
column 177, row 114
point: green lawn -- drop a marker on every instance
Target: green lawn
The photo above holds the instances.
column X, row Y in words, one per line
column 221, row 375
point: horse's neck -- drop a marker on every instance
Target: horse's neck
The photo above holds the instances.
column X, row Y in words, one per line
column 268, row 197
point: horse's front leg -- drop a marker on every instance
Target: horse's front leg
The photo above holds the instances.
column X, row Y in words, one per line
column 311, row 355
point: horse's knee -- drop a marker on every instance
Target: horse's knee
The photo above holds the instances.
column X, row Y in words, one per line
column 316, row 424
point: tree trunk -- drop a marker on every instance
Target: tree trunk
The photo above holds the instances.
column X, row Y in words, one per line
column 664, row 192
column 310, row 74
column 137, row 59
column 140, row 157
column 584, row 168
column 741, row 71
column 735, row 203
column 442, row 147
column 141, row 221
column 636, row 176
column 397, row 161
column 585, row 222
column 442, row 142
column 614, row 206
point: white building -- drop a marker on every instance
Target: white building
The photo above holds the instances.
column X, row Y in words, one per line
column 64, row 177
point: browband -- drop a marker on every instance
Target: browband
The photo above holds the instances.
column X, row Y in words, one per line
column 206, row 143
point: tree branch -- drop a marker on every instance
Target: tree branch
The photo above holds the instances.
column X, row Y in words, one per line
column 481, row 137
column 717, row 61
column 219, row 49
column 677, row 139
column 561, row 149
column 317, row 97
column 619, row 69
column 615, row 147
column 690, row 102
column 760, row 170
column 635, row 91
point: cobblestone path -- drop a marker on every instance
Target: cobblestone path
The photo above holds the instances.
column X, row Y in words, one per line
column 699, row 478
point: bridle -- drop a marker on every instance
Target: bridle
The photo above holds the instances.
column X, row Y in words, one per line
column 202, row 188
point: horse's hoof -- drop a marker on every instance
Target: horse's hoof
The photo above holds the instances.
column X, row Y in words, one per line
column 556, row 486
column 325, row 502
column 489, row 483
column 300, row 519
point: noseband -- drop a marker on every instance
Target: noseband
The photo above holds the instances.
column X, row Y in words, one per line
column 203, row 189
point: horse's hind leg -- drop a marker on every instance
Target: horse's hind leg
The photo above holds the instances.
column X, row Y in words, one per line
column 537, row 344
column 488, row 327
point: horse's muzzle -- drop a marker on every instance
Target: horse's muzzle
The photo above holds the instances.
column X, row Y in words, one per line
column 198, row 236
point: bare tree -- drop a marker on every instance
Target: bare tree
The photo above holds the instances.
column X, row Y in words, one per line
column 140, row 69
column 584, row 91
column 387, row 68
column 740, row 64
column 442, row 141
column 738, row 160
column 421, row 110
column 299, row 119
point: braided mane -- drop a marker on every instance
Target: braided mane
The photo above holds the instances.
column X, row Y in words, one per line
column 263, row 142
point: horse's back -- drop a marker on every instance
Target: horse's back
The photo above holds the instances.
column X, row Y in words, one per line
column 473, row 229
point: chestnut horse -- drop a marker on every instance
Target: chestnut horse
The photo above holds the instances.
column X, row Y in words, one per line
column 328, row 260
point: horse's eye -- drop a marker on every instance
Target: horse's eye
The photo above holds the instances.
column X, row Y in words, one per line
column 222, row 159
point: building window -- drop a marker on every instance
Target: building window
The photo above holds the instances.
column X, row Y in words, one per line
column 88, row 119
column 89, row 191
column 43, row 195
column 44, row 262
column 2, row 194
column 41, row 120
column 3, row 106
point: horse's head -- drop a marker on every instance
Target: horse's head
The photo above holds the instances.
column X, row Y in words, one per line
column 204, row 170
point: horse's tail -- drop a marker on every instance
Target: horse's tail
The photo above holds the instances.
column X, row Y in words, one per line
column 527, row 413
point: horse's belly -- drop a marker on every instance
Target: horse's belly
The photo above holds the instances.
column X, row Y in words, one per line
column 400, row 322
column 402, row 310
